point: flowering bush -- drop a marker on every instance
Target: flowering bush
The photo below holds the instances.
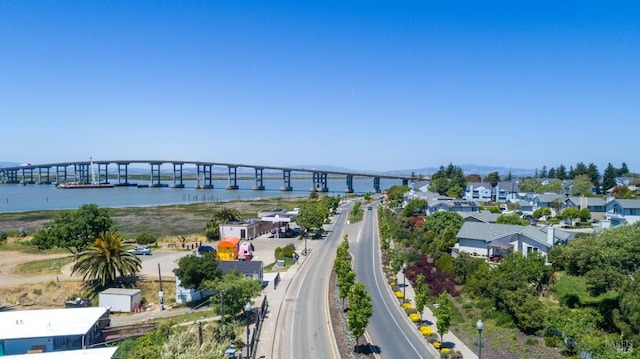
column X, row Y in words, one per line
column 437, row 345
column 415, row 317
column 426, row 330
column 406, row 305
column 399, row 295
column 410, row 310
column 445, row 351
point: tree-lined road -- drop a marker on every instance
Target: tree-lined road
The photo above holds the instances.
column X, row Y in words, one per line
column 389, row 330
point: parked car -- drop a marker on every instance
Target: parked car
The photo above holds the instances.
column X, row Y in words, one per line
column 205, row 249
column 140, row 251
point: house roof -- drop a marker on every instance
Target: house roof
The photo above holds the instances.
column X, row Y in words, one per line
column 482, row 216
column 628, row 203
column 548, row 197
column 246, row 267
column 95, row 353
column 490, row 232
column 48, row 322
column 486, row 231
column 590, row 201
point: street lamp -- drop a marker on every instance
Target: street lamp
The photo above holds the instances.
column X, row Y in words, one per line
column 479, row 325
column 247, row 310
column 404, row 281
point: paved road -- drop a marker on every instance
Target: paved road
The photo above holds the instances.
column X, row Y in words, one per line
column 390, row 331
column 305, row 321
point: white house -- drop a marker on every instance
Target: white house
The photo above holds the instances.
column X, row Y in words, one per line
column 49, row 330
column 623, row 211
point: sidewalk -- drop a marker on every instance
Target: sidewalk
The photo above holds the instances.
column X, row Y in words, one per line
column 450, row 340
column 275, row 298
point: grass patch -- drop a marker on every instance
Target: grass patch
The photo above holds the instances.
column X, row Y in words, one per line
column 288, row 262
column 44, row 266
column 572, row 291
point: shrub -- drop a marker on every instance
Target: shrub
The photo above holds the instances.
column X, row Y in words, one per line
column 146, row 238
column 426, row 330
column 410, row 310
column 437, row 345
column 415, row 317
column 531, row 341
column 288, row 250
column 399, row 295
column 445, row 351
column 552, row 341
column 277, row 252
column 3, row 237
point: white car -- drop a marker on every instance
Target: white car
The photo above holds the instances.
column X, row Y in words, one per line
column 140, row 251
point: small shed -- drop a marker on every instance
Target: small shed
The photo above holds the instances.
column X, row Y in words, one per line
column 121, row 299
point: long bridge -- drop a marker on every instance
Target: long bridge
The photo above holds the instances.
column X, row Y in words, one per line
column 82, row 172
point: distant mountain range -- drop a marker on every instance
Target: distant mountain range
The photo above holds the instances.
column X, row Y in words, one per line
column 423, row 171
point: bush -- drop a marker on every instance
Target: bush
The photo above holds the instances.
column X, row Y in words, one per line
column 531, row 341
column 437, row 345
column 415, row 317
column 552, row 341
column 288, row 250
column 406, row 305
column 146, row 238
column 399, row 295
column 278, row 253
column 426, row 330
column 3, row 237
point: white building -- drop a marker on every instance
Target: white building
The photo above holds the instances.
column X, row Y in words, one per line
column 48, row 330
column 120, row 299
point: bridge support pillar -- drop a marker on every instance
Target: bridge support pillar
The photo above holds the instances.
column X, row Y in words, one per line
column 376, row 184
column 11, row 176
column 177, row 176
column 349, row 188
column 123, row 175
column 27, row 176
column 405, row 182
column 259, row 183
column 232, row 179
column 155, row 175
column 286, row 179
column 61, row 174
column 205, row 176
column 103, row 173
column 46, row 175
column 81, row 173
column 319, row 182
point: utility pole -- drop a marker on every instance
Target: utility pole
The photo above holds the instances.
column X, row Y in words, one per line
column 160, row 293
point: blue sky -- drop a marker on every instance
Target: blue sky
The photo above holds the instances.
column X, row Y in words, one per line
column 367, row 85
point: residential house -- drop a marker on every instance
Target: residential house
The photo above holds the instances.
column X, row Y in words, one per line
column 420, row 186
column 51, row 330
column 248, row 229
column 478, row 191
column 597, row 206
column 625, row 181
column 250, row 269
column 623, row 211
column 548, row 200
column 498, row 240
column 451, row 205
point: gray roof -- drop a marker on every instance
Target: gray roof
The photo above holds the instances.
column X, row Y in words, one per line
column 482, row 216
column 246, row 267
column 490, row 232
column 590, row 201
column 548, row 197
column 628, row 203
column 486, row 231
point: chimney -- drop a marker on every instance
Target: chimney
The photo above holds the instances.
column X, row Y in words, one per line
column 550, row 235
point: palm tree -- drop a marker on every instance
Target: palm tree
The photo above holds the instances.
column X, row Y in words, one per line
column 108, row 259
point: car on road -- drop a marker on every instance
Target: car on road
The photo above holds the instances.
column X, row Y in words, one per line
column 202, row 250
column 140, row 251
column 369, row 208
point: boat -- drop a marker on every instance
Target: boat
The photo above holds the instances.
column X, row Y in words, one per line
column 93, row 184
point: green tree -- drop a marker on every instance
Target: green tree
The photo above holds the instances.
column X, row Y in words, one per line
column 107, row 260
column 221, row 216
column 446, row 178
column 74, row 230
column 237, row 291
column 532, row 185
column 194, row 271
column 415, row 207
column 395, row 194
column 513, row 218
column 609, row 177
column 422, row 294
column 443, row 314
column 582, row 186
column 312, row 215
column 360, row 310
column 541, row 212
column 146, row 238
